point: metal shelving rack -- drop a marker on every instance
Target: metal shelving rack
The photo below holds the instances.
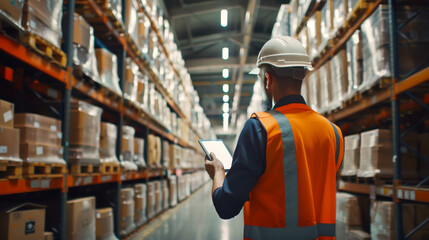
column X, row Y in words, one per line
column 65, row 84
column 399, row 88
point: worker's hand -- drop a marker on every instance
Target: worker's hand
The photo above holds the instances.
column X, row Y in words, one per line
column 214, row 166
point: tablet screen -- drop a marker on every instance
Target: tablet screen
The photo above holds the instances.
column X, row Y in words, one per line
column 219, row 149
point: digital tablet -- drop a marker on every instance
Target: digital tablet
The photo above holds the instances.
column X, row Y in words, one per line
column 217, row 146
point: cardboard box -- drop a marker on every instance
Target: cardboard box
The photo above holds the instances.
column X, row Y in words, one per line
column 13, row 9
column 351, row 155
column 154, row 151
column 108, row 135
column 85, row 137
column 172, row 190
column 140, row 204
column 37, row 121
column 81, row 218
column 39, row 136
column 84, row 120
column 127, row 211
column 82, row 31
column 165, row 198
column 104, row 224
column 25, row 221
column 48, row 236
column 41, row 153
column 6, row 114
column 127, row 153
column 47, row 27
column 108, row 69
column 9, row 143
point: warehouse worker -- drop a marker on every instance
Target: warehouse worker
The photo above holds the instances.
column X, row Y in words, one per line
column 285, row 163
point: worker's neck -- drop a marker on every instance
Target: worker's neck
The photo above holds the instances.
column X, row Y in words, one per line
column 281, row 95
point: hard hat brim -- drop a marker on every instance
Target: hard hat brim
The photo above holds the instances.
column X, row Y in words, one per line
column 254, row 71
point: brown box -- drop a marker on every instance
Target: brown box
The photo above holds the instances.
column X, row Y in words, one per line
column 39, row 135
column 104, row 224
column 108, row 130
column 35, row 23
column 37, row 121
column 154, row 151
column 127, row 211
column 84, row 120
column 81, row 218
column 38, row 152
column 140, row 204
column 9, row 143
column 6, row 114
column 82, row 31
column 25, row 221
column 48, row 236
column 85, row 137
column 49, row 12
column 13, row 8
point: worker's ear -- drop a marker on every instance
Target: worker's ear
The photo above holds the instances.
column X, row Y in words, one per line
column 268, row 81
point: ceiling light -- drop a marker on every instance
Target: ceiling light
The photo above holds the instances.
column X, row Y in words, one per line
column 225, row 88
column 224, row 18
column 225, row 53
column 225, row 98
column 225, row 107
column 225, row 121
column 225, row 73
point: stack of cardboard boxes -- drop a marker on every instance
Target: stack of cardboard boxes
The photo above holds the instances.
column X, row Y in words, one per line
column 9, row 137
column 165, row 154
column 132, row 75
column 108, row 136
column 139, row 153
column 126, row 224
column 140, row 200
column 172, row 180
column 154, row 151
column 104, row 224
column 159, row 204
column 12, row 10
column 165, row 195
column 348, row 215
column 127, row 153
column 107, row 66
column 40, row 138
column 85, row 125
column 351, row 155
column 81, row 219
column 151, row 202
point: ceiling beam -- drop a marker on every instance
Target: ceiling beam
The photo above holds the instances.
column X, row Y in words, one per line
column 220, row 95
column 214, row 83
column 251, row 15
column 210, row 65
column 203, row 8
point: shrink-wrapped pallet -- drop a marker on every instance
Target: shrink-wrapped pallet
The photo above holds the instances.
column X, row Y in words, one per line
column 143, row 32
column 172, row 182
column 282, row 26
column 107, row 65
column 104, row 224
column 338, row 79
column 325, row 87
column 126, row 223
column 43, row 18
column 382, row 219
column 151, row 202
column 314, row 35
column 351, row 155
column 354, row 64
column 127, row 153
column 314, row 90
column 165, row 195
column 139, row 153
column 348, row 216
column 131, row 19
column 12, row 10
column 326, row 25
column 84, row 59
column 154, row 151
column 165, row 154
column 159, row 204
column 108, row 136
column 339, row 13
column 303, row 38
column 85, row 125
column 132, row 74
column 140, row 201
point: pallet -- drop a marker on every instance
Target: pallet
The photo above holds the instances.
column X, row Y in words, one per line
column 376, row 180
column 45, row 48
column 10, row 169
column 352, row 179
column 356, row 13
column 109, row 168
column 41, row 169
column 85, row 169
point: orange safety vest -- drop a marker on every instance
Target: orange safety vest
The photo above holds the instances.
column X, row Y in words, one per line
column 295, row 197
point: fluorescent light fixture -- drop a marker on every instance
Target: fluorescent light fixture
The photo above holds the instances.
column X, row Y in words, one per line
column 225, row 53
column 224, row 18
column 225, row 88
column 225, row 98
column 225, row 107
column 225, row 121
column 225, row 73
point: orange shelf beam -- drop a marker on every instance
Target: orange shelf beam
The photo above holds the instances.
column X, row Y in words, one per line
column 413, row 194
column 78, row 181
column 15, row 186
column 412, row 81
column 372, row 190
column 31, row 58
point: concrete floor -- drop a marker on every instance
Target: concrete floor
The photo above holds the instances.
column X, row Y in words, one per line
column 196, row 219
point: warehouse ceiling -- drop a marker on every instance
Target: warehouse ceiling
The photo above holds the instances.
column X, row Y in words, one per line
column 201, row 38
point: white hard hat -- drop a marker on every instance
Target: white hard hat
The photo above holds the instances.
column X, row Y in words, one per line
column 283, row 52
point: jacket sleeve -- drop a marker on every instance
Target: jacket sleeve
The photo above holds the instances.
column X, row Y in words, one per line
column 248, row 165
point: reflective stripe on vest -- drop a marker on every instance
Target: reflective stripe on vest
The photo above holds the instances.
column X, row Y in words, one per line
column 291, row 194
column 337, row 140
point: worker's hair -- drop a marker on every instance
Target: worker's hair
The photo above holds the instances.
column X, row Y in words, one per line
column 295, row 73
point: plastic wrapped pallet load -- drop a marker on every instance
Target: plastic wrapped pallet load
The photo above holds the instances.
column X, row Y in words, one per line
column 151, row 200
column 104, row 224
column 172, row 180
column 338, row 78
column 12, row 10
column 131, row 19
column 158, row 197
column 85, row 125
column 351, row 155
column 43, row 18
column 382, row 219
column 326, row 25
column 314, row 90
column 154, row 151
column 108, row 136
column 139, row 153
column 127, row 152
column 348, row 215
column 314, row 35
column 339, row 13
column 165, row 154
column 140, row 200
column 132, row 74
column 84, row 58
column 325, row 90
column 126, row 223
column 165, row 195
column 107, row 64
column 354, row 64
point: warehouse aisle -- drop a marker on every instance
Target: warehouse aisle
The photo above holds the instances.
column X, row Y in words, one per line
column 196, row 218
